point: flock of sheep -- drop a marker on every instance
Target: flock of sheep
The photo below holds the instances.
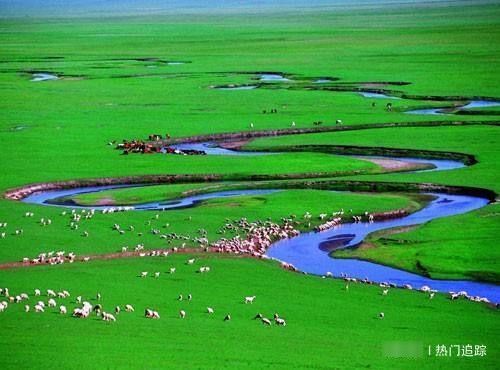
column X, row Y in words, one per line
column 84, row 309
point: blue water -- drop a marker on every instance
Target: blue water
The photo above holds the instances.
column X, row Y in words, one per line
column 481, row 104
column 304, row 252
column 246, row 87
column 439, row 164
column 213, row 149
column 377, row 95
column 43, row 198
column 38, row 77
column 272, row 77
column 472, row 104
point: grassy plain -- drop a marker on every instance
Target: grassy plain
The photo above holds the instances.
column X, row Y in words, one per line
column 59, row 130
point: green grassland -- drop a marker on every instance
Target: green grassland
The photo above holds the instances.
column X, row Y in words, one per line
column 60, row 130
column 460, row 247
column 327, row 327
column 210, row 215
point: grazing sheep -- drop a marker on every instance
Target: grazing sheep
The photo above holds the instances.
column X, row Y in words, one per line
column 97, row 309
column 280, row 321
column 249, row 299
column 381, row 315
column 182, row 314
column 190, row 297
column 190, row 261
column 431, row 295
column 52, row 303
column 144, row 274
column 157, row 275
column 180, row 298
column 79, row 299
column 210, row 310
column 51, row 293
column 26, row 308
column 266, row 321
column 172, row 270
column 129, row 308
column 108, row 317
column 227, row 317
column 385, row 291
column 117, row 310
column 63, row 310
column 98, row 296
column 39, row 308
column 258, row 316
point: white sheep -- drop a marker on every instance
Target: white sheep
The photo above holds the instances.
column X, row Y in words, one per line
column 381, row 315
column 63, row 310
column 39, row 308
column 157, row 275
column 266, row 321
column 117, row 310
column 26, row 308
column 129, row 308
column 182, row 314
column 172, row 270
column 249, row 299
column 51, row 293
column 210, row 310
column 280, row 321
column 144, row 274
column 52, row 303
column 190, row 261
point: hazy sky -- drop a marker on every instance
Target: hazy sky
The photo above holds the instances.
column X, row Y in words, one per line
column 130, row 7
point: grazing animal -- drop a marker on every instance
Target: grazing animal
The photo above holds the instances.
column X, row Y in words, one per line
column 190, row 297
column 190, row 261
column 63, row 310
column 227, row 317
column 182, row 314
column 381, row 315
column 280, row 321
column 157, row 275
column 258, row 316
column 266, row 321
column 37, row 292
column 26, row 308
column 108, row 317
column 39, row 308
column 180, row 298
column 129, row 308
column 117, row 310
column 210, row 310
column 385, row 291
column 249, row 299
column 172, row 270
column 431, row 295
column 52, row 303
column 144, row 274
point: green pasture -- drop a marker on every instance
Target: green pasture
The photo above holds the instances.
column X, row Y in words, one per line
column 323, row 319
column 116, row 83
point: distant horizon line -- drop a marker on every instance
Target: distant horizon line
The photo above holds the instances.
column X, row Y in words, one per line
column 113, row 10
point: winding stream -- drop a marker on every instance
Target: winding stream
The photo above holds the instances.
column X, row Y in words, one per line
column 309, row 252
